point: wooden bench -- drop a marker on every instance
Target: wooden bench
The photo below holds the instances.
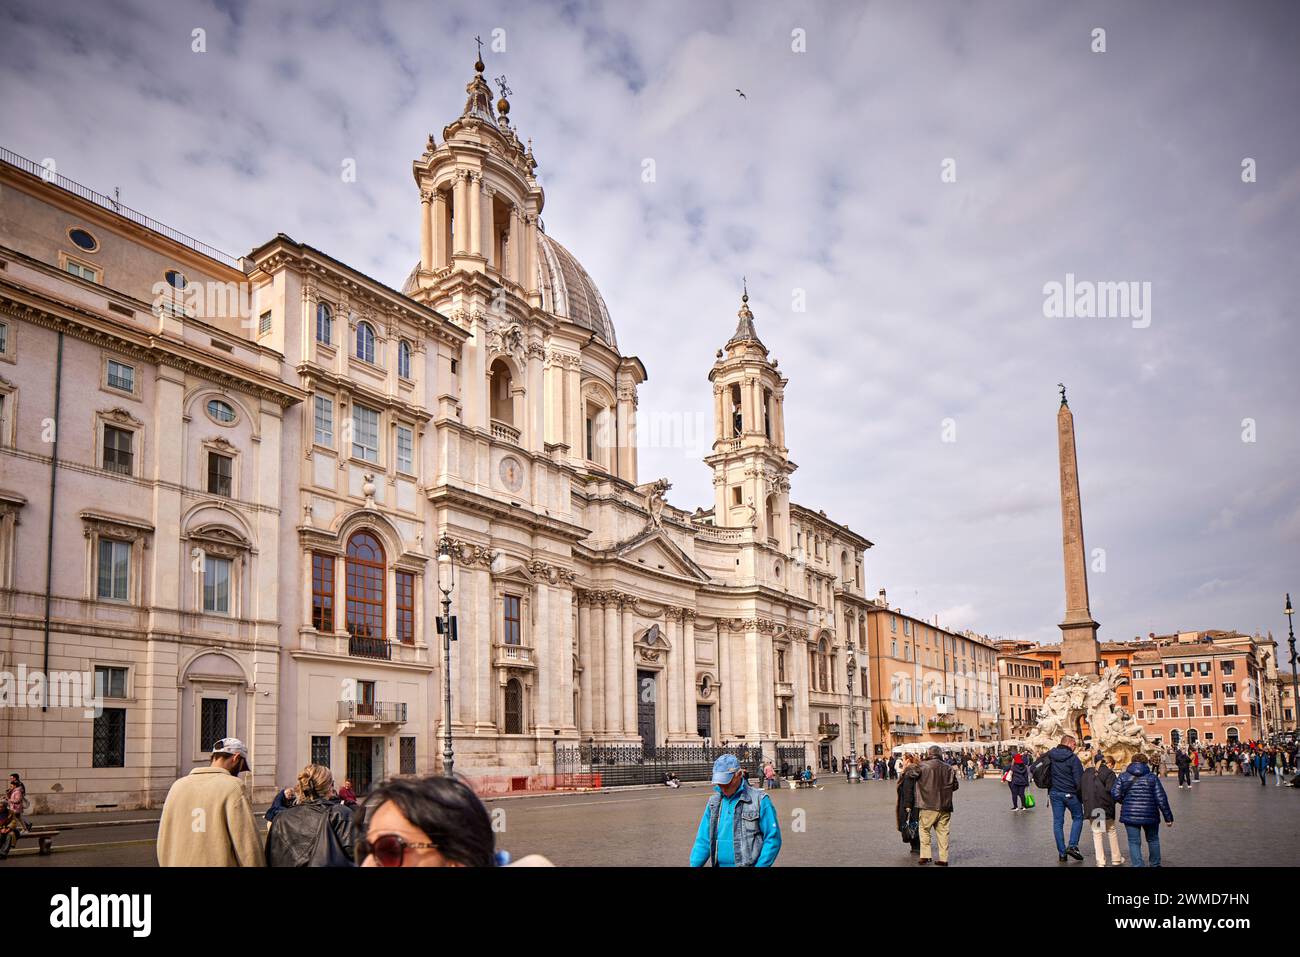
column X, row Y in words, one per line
column 44, row 838
column 799, row 783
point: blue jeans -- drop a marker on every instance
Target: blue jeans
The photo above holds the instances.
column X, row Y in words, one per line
column 1060, row 801
column 1135, row 843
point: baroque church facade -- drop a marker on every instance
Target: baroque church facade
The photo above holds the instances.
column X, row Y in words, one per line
column 248, row 538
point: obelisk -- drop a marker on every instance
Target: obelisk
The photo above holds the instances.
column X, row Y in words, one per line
column 1079, row 651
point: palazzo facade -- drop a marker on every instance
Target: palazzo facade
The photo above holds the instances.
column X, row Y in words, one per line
column 244, row 506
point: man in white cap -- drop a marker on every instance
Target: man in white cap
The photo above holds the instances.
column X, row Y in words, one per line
column 207, row 820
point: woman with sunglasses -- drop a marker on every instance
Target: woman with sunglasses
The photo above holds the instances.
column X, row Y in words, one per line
column 429, row 822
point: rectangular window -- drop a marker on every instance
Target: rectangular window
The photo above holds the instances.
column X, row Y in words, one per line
column 114, row 567
column 89, row 274
column 1157, row 672
column 118, row 456
column 365, row 433
column 109, row 742
column 216, row 584
column 591, row 441
column 212, row 721
column 1230, row 689
column 1137, row 672
column 320, row 750
column 220, row 471
column 1139, row 696
column 780, row 666
column 1226, row 667
column 110, row 682
column 264, row 323
column 405, row 607
column 1207, row 691
column 121, row 376
column 511, row 630
column 1230, row 709
column 324, row 422
column 1203, row 667
column 322, row 592
column 405, row 450
column 406, row 755
column 1158, row 695
column 4, row 337
column 1173, row 691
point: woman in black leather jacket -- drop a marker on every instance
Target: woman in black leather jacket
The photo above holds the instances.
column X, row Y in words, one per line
column 315, row 832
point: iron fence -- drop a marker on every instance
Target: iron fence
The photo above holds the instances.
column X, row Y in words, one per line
column 791, row 759
column 620, row 765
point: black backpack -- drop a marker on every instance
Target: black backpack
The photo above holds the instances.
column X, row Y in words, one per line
column 1041, row 771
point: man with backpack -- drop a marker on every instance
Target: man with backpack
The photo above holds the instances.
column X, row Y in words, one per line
column 1059, row 773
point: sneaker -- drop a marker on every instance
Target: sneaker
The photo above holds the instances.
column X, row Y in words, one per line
column 1062, row 858
column 1074, row 852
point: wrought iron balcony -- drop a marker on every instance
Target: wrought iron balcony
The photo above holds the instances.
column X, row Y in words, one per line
column 373, row 712
column 829, row 730
column 505, row 433
column 362, row 646
column 902, row 727
column 514, row 656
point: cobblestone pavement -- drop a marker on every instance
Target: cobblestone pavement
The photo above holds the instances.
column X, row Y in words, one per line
column 1221, row 822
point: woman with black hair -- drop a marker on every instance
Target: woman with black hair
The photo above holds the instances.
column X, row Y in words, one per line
column 429, row 822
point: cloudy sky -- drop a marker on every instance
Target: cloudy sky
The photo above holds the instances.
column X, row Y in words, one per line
column 923, row 299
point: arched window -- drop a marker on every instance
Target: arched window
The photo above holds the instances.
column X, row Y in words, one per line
column 1233, row 736
column 404, row 359
column 365, row 342
column 823, row 659
column 324, row 324
column 365, row 586
column 503, row 402
column 514, row 707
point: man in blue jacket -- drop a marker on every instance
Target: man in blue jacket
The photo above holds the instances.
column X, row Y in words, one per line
column 1067, row 772
column 739, row 828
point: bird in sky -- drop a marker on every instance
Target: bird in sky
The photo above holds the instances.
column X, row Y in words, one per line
column 742, row 95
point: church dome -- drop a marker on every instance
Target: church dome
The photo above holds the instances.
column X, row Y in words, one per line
column 568, row 291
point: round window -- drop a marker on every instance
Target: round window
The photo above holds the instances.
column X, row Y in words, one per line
column 176, row 279
column 221, row 411
column 83, row 239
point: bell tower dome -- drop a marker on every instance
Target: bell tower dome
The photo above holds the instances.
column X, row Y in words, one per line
column 751, row 465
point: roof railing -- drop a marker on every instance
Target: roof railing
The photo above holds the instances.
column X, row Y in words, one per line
column 113, row 205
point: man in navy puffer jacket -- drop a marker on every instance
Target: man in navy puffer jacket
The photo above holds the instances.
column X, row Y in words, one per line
column 1144, row 803
column 1067, row 771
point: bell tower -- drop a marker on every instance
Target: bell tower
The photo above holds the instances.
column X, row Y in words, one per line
column 751, row 465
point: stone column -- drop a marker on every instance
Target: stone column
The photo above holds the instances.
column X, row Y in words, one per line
column 460, row 211
column 613, row 670
column 673, row 675
column 630, row 689
column 562, row 622
column 753, row 685
column 575, row 433
column 476, row 214
column 800, row 704
column 621, row 455
column 688, row 659
column 725, row 686
column 543, row 644
column 439, row 229
column 583, row 721
column 530, row 254
column 426, row 229
column 487, row 241
column 596, row 653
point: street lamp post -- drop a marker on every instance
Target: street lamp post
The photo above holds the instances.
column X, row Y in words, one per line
column 853, row 736
column 1295, row 697
column 446, row 628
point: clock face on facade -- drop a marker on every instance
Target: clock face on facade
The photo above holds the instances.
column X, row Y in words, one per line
column 512, row 473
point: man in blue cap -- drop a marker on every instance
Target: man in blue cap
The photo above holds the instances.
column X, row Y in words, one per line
column 739, row 828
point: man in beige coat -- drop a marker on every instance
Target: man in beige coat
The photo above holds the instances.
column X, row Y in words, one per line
column 207, row 820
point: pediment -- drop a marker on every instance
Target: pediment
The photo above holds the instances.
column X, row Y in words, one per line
column 656, row 551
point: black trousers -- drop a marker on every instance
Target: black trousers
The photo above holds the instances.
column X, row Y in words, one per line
column 1185, row 776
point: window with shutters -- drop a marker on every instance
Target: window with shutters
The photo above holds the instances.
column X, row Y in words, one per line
column 322, row 592
column 514, row 707
column 405, row 607
column 212, row 721
column 108, row 748
column 406, row 755
column 119, row 455
column 320, row 750
column 221, row 470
